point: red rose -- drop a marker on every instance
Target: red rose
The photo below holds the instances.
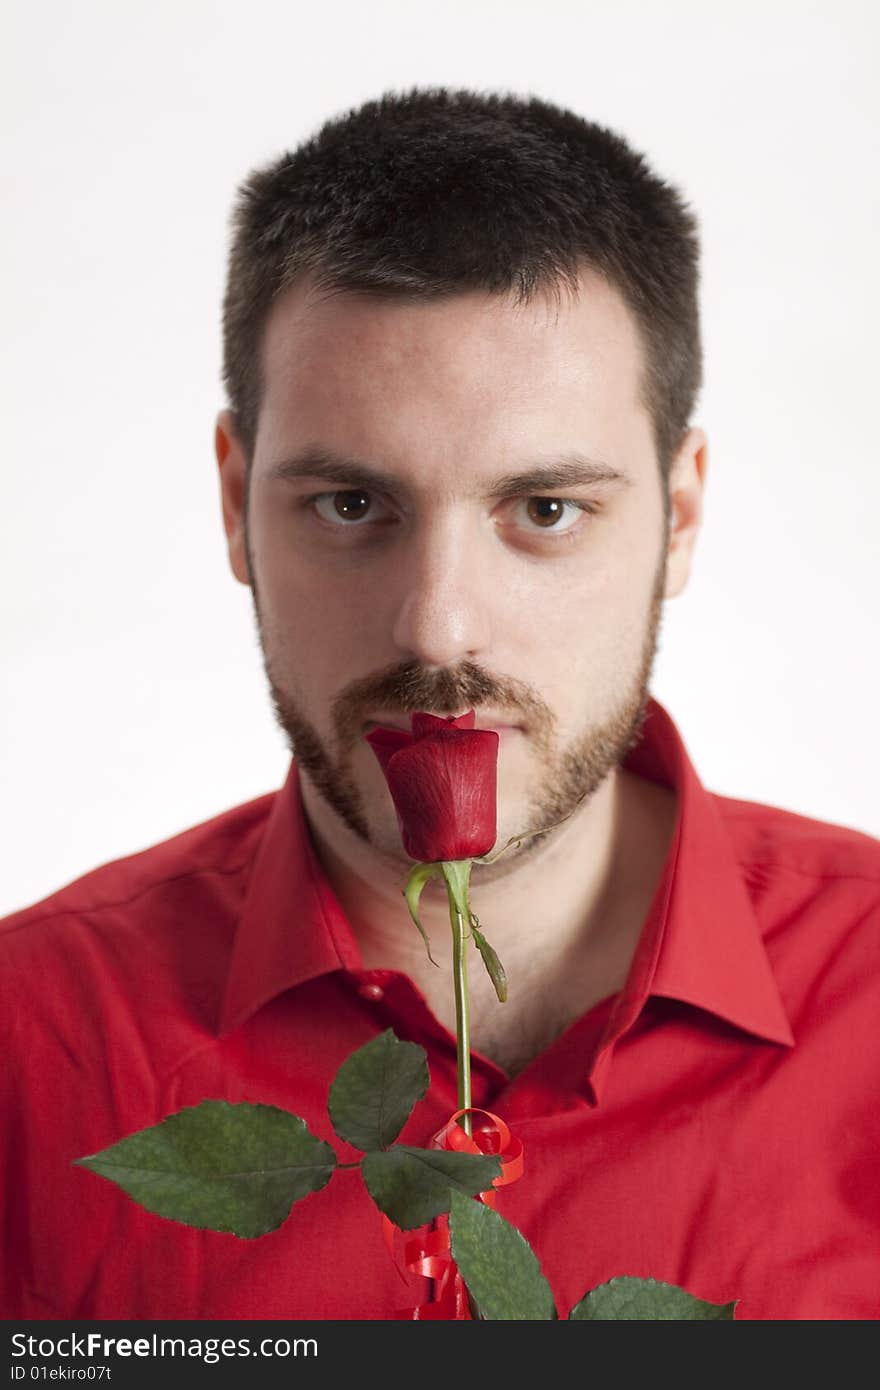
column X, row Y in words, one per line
column 443, row 782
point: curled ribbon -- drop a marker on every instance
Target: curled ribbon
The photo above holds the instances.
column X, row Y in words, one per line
column 430, row 1255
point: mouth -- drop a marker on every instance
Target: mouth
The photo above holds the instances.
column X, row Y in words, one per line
column 396, row 722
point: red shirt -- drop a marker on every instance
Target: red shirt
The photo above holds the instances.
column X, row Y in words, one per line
column 716, row 1124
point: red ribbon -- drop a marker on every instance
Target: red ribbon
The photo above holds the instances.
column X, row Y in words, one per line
column 430, row 1255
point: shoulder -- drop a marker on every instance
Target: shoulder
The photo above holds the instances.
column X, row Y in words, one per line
column 815, row 890
column 778, row 841
column 124, row 895
column 107, row 984
column 128, row 960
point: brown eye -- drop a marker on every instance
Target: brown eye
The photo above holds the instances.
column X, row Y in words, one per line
column 351, row 506
column 556, row 516
column 546, row 511
column 346, row 505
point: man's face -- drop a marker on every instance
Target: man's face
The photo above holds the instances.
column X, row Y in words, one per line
column 537, row 603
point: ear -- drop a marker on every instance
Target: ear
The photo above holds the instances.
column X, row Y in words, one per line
column 232, row 463
column 687, row 477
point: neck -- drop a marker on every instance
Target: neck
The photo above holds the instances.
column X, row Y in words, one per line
column 564, row 919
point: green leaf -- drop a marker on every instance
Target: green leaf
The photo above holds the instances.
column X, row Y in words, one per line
column 413, row 891
column 375, row 1089
column 647, row 1300
column 490, row 959
column 220, row 1167
column 413, row 1186
column 498, row 1265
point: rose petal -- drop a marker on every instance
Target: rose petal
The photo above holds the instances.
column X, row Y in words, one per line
column 423, row 723
column 386, row 742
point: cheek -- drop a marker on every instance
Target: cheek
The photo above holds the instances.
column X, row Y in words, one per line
column 325, row 636
column 591, row 637
column 597, row 592
column 320, row 630
column 303, row 592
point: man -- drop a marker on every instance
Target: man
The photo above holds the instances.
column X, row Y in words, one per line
column 458, row 471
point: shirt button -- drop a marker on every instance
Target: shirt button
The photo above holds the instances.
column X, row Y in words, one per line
column 371, row 992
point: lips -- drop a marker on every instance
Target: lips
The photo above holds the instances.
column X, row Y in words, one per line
column 499, row 726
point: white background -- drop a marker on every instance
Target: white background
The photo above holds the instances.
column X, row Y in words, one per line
column 133, row 698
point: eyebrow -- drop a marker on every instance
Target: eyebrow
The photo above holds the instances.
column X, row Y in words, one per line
column 572, row 470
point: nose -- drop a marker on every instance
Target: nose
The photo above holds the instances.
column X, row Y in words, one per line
column 443, row 611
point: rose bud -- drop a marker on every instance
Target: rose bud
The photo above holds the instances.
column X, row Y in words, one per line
column 443, row 781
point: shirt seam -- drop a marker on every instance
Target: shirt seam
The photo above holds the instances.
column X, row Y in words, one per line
column 122, row 902
column 747, row 864
column 168, row 1077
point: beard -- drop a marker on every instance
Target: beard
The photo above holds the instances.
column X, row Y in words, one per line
column 570, row 776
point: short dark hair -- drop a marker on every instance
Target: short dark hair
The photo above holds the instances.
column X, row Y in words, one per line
column 430, row 192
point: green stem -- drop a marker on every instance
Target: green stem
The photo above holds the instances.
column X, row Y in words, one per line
column 457, row 874
column 462, row 1020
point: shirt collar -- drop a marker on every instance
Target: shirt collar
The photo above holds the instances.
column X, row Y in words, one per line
column 292, row 927
column 701, row 942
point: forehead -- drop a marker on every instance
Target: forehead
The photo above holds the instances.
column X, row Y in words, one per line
column 370, row 373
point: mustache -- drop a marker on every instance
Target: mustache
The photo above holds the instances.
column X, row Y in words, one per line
column 409, row 687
